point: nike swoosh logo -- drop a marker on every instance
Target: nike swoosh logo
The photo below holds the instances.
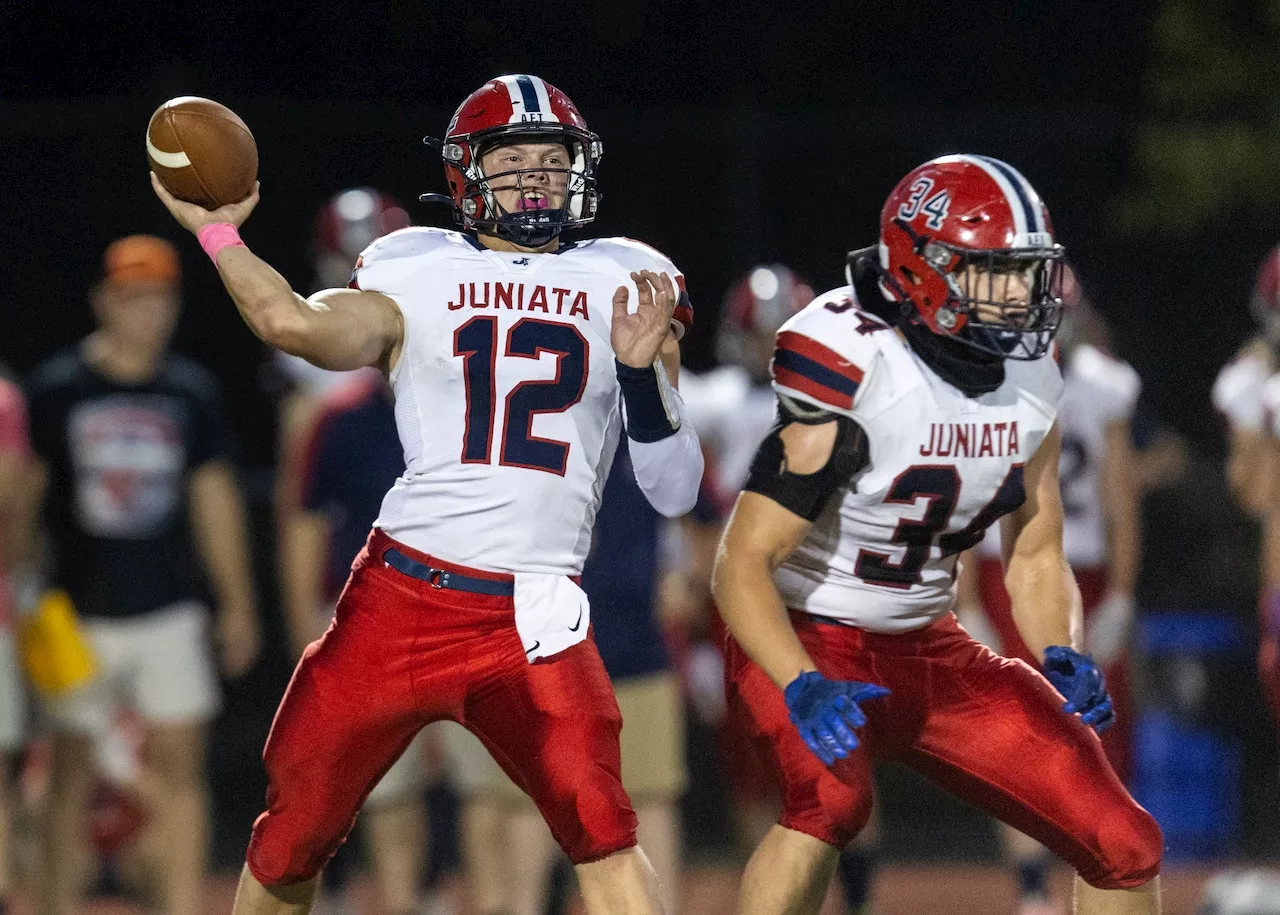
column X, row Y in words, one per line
column 166, row 159
column 574, row 627
column 533, row 649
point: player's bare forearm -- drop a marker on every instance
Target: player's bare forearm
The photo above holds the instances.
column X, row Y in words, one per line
column 337, row 329
column 759, row 537
column 1046, row 603
column 1042, row 590
column 1121, row 505
column 219, row 522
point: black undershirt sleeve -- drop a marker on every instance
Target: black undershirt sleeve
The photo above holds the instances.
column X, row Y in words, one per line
column 807, row 495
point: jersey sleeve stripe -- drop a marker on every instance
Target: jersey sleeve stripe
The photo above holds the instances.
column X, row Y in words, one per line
column 802, row 374
column 814, row 352
column 786, row 379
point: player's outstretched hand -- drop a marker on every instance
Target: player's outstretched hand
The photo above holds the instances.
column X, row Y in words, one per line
column 1081, row 683
column 638, row 337
column 195, row 217
column 825, row 712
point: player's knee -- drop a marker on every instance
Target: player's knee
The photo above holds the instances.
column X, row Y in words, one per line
column 590, row 816
column 833, row 812
column 1131, row 847
column 284, row 851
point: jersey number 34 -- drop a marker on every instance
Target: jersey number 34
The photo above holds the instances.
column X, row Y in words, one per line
column 477, row 343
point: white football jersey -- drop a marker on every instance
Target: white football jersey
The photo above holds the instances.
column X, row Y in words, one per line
column 1237, row 391
column 507, row 400
column 732, row 416
column 1100, row 390
column 943, row 466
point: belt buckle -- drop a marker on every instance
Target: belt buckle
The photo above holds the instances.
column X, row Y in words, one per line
column 437, row 578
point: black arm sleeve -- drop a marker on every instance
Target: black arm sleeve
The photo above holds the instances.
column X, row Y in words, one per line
column 807, row 494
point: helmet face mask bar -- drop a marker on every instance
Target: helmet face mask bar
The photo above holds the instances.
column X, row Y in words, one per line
column 1011, row 301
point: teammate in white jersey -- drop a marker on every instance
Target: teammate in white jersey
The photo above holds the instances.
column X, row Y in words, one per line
column 1261, row 490
column 1237, row 394
column 1101, row 540
column 516, row 362
column 896, row 448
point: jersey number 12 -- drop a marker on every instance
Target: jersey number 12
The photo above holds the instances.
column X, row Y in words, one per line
column 477, row 343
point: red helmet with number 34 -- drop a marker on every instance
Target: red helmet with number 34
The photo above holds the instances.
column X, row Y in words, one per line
column 967, row 249
column 519, row 109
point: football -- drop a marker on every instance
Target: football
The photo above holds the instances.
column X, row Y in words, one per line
column 202, row 151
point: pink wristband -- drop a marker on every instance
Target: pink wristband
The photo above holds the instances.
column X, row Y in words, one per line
column 216, row 236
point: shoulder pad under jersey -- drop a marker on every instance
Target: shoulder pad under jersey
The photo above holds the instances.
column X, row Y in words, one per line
column 381, row 264
column 1113, row 384
column 826, row 352
column 1237, row 391
column 631, row 254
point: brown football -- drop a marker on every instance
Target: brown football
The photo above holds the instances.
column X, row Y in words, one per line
column 202, row 152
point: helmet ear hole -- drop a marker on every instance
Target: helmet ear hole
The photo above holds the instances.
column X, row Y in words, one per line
column 909, row 274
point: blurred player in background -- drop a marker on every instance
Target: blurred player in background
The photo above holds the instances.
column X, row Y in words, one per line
column 733, row 408
column 1237, row 394
column 142, row 506
column 895, row 449
column 516, row 362
column 20, row 489
column 344, row 227
column 1258, row 485
column 1101, row 537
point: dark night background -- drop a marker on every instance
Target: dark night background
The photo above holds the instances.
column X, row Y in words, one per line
column 734, row 133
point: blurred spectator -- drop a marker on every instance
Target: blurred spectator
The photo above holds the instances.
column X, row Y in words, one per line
column 351, row 456
column 17, row 488
column 135, row 443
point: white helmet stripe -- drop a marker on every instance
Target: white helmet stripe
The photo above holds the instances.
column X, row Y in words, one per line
column 544, row 99
column 1027, row 195
column 1019, row 212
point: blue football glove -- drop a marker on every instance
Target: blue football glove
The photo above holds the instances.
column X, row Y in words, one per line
column 1080, row 681
column 825, row 712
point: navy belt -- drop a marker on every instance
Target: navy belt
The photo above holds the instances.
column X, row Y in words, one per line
column 443, row 578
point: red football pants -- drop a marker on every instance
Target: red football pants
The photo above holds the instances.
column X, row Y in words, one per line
column 990, row 730
column 402, row 654
column 1117, row 740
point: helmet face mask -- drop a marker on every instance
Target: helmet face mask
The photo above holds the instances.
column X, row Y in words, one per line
column 967, row 251
column 510, row 111
column 1011, row 301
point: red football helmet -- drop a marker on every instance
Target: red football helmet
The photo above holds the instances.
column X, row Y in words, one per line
column 353, row 218
column 1265, row 303
column 515, row 109
column 956, row 234
column 757, row 305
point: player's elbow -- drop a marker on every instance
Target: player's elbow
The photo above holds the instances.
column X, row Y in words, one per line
column 281, row 326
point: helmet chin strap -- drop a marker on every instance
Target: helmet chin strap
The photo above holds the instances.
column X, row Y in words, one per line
column 524, row 234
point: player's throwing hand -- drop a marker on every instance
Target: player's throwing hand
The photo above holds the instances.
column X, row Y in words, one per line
column 637, row 337
column 825, row 712
column 194, row 217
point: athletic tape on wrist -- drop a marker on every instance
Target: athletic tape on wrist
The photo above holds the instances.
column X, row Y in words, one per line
column 216, row 236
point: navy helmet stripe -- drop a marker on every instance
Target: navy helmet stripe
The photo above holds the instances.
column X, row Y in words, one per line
column 529, row 93
column 1035, row 221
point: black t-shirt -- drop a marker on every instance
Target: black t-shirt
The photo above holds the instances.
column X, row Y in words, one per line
column 120, row 458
